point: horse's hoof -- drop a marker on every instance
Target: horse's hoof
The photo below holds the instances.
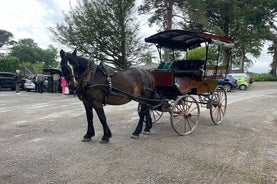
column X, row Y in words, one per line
column 104, row 141
column 134, row 136
column 146, row 132
column 86, row 139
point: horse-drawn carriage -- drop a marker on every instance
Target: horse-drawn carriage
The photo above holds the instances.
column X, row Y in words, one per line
column 181, row 81
column 172, row 87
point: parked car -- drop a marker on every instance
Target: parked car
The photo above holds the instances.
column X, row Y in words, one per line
column 45, row 82
column 242, row 82
column 7, row 80
column 229, row 83
column 29, row 85
column 247, row 76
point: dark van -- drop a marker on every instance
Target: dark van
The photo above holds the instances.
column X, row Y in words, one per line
column 7, row 80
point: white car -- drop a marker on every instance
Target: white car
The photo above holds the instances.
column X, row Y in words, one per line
column 29, row 85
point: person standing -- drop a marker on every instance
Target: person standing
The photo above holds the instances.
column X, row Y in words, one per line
column 63, row 85
column 34, row 80
column 56, row 78
column 17, row 81
column 40, row 79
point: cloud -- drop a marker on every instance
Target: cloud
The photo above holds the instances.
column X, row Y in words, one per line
column 31, row 18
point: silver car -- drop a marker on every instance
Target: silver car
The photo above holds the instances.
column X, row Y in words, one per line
column 29, row 85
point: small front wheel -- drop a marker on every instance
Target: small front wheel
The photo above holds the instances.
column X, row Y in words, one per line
column 155, row 115
column 185, row 115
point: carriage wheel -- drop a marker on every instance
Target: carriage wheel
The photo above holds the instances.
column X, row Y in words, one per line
column 185, row 115
column 155, row 115
column 218, row 105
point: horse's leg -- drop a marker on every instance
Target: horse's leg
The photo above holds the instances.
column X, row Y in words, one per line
column 148, row 124
column 138, row 129
column 107, row 132
column 90, row 131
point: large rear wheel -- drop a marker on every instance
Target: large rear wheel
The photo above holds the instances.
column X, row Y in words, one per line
column 218, row 105
column 185, row 115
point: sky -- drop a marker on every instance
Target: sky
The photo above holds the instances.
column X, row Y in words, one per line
column 32, row 18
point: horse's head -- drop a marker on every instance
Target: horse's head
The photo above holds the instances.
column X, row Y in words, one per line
column 69, row 66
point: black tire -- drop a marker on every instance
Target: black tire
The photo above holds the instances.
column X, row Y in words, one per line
column 242, row 87
column 227, row 87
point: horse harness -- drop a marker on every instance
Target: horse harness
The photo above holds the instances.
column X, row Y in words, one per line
column 89, row 75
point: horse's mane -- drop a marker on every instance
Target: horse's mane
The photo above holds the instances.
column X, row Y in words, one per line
column 82, row 62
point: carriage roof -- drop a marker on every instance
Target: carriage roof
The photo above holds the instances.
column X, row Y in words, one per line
column 184, row 40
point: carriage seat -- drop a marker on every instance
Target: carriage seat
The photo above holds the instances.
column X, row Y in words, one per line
column 188, row 68
column 188, row 73
column 195, row 64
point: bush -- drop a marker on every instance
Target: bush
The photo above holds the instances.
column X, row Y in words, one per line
column 263, row 77
column 9, row 64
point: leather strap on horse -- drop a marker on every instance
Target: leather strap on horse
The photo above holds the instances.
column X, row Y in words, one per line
column 91, row 71
column 143, row 88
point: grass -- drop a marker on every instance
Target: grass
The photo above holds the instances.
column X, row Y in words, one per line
column 262, row 77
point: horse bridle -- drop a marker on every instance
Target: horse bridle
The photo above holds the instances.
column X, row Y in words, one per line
column 73, row 74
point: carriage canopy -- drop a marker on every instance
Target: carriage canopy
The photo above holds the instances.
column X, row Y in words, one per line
column 184, row 40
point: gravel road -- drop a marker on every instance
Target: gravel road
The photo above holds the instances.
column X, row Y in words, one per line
column 40, row 142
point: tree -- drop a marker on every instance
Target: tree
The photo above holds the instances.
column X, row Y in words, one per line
column 273, row 50
column 26, row 50
column 241, row 20
column 272, row 23
column 162, row 13
column 104, row 30
column 5, row 38
column 274, row 59
column 9, row 64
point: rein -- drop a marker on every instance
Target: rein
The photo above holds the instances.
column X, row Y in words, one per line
column 132, row 97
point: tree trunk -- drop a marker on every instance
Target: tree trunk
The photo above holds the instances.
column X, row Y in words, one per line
column 241, row 64
column 274, row 60
column 168, row 22
column 227, row 58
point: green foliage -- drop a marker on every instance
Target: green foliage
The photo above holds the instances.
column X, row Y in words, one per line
column 105, row 30
column 200, row 53
column 263, row 77
column 5, row 38
column 9, row 64
column 164, row 13
column 28, row 51
column 244, row 21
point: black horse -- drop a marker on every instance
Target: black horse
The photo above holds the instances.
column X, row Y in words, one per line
column 97, row 86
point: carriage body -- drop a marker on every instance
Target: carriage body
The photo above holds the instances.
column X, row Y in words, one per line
column 182, row 81
column 172, row 82
column 179, row 77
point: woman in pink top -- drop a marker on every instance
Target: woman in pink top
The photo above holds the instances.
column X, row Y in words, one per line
column 63, row 85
